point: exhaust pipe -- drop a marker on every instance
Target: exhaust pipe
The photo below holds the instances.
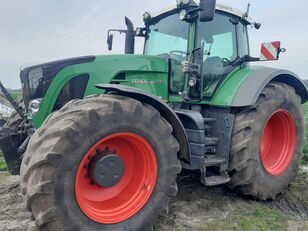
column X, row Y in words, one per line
column 130, row 37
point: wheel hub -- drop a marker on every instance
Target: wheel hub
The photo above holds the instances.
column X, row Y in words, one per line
column 131, row 189
column 106, row 169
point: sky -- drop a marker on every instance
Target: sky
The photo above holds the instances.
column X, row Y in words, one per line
column 36, row 31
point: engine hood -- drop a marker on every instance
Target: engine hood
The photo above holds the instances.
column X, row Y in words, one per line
column 46, row 81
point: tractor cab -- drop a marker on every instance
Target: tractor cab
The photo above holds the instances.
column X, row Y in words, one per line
column 222, row 41
column 211, row 37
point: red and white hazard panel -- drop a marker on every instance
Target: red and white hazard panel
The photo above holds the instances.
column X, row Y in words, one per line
column 270, row 51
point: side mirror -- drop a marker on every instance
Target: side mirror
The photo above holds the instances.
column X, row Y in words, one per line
column 110, row 41
column 207, row 10
column 270, row 51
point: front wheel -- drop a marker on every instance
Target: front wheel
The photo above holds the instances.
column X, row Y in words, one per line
column 101, row 163
column 267, row 143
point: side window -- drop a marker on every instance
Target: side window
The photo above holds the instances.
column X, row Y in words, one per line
column 218, row 39
column 74, row 89
column 222, row 46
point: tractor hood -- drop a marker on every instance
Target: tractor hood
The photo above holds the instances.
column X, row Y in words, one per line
column 79, row 76
column 36, row 80
column 149, row 73
column 128, row 63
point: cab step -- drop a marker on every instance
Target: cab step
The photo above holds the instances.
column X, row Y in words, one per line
column 213, row 160
column 209, row 120
column 211, row 141
column 214, row 180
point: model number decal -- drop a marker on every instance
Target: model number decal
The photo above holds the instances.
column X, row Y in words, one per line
column 145, row 81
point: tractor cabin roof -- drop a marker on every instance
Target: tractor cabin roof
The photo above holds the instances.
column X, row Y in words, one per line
column 219, row 7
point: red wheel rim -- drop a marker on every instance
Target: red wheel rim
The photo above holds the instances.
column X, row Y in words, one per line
column 278, row 142
column 109, row 205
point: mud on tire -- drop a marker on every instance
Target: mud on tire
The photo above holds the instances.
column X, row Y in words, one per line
column 248, row 174
column 56, row 149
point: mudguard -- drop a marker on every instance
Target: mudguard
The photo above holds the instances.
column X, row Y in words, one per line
column 244, row 87
column 165, row 111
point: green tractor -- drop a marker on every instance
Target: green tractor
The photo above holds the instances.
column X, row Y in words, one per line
column 99, row 140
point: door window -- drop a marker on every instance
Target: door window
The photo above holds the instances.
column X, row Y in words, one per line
column 218, row 39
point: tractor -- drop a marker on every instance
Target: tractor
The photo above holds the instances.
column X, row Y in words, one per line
column 98, row 141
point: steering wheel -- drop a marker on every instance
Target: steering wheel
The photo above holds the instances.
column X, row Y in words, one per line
column 225, row 62
column 183, row 54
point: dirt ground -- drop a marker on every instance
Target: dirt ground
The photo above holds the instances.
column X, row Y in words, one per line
column 195, row 208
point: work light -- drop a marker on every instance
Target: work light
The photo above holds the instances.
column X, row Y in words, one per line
column 182, row 15
column 182, row 3
column 192, row 82
column 146, row 17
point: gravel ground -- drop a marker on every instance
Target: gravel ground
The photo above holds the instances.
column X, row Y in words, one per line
column 195, row 208
column 13, row 214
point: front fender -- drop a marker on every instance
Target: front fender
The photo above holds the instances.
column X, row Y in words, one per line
column 165, row 111
column 243, row 87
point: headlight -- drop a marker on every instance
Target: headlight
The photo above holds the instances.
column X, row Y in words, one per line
column 139, row 31
column 182, row 3
column 34, row 106
column 192, row 82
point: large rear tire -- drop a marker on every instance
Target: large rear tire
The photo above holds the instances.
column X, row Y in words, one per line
column 267, row 143
column 65, row 192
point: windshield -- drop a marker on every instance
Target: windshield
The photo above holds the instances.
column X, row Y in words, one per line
column 168, row 38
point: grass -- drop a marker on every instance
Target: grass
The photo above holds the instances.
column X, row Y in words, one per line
column 263, row 218
column 16, row 94
column 305, row 159
column 3, row 166
column 260, row 218
column 306, row 113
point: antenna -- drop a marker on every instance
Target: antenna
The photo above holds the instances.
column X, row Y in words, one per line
column 247, row 11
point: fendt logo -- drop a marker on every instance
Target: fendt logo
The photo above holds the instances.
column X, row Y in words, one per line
column 145, row 81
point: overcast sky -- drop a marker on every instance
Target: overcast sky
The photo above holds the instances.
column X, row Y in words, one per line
column 35, row 31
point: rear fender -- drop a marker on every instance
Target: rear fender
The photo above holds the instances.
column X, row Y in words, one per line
column 247, row 87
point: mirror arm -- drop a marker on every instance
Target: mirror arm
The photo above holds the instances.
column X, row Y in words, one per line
column 116, row 30
column 109, row 42
column 247, row 58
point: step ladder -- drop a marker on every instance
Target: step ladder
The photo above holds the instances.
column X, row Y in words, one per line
column 213, row 180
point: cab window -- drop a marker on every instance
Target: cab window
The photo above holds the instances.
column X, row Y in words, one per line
column 219, row 41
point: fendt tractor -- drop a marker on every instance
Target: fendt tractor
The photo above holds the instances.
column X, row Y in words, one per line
column 98, row 141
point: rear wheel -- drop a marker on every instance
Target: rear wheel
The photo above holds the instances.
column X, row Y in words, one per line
column 101, row 163
column 267, row 143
